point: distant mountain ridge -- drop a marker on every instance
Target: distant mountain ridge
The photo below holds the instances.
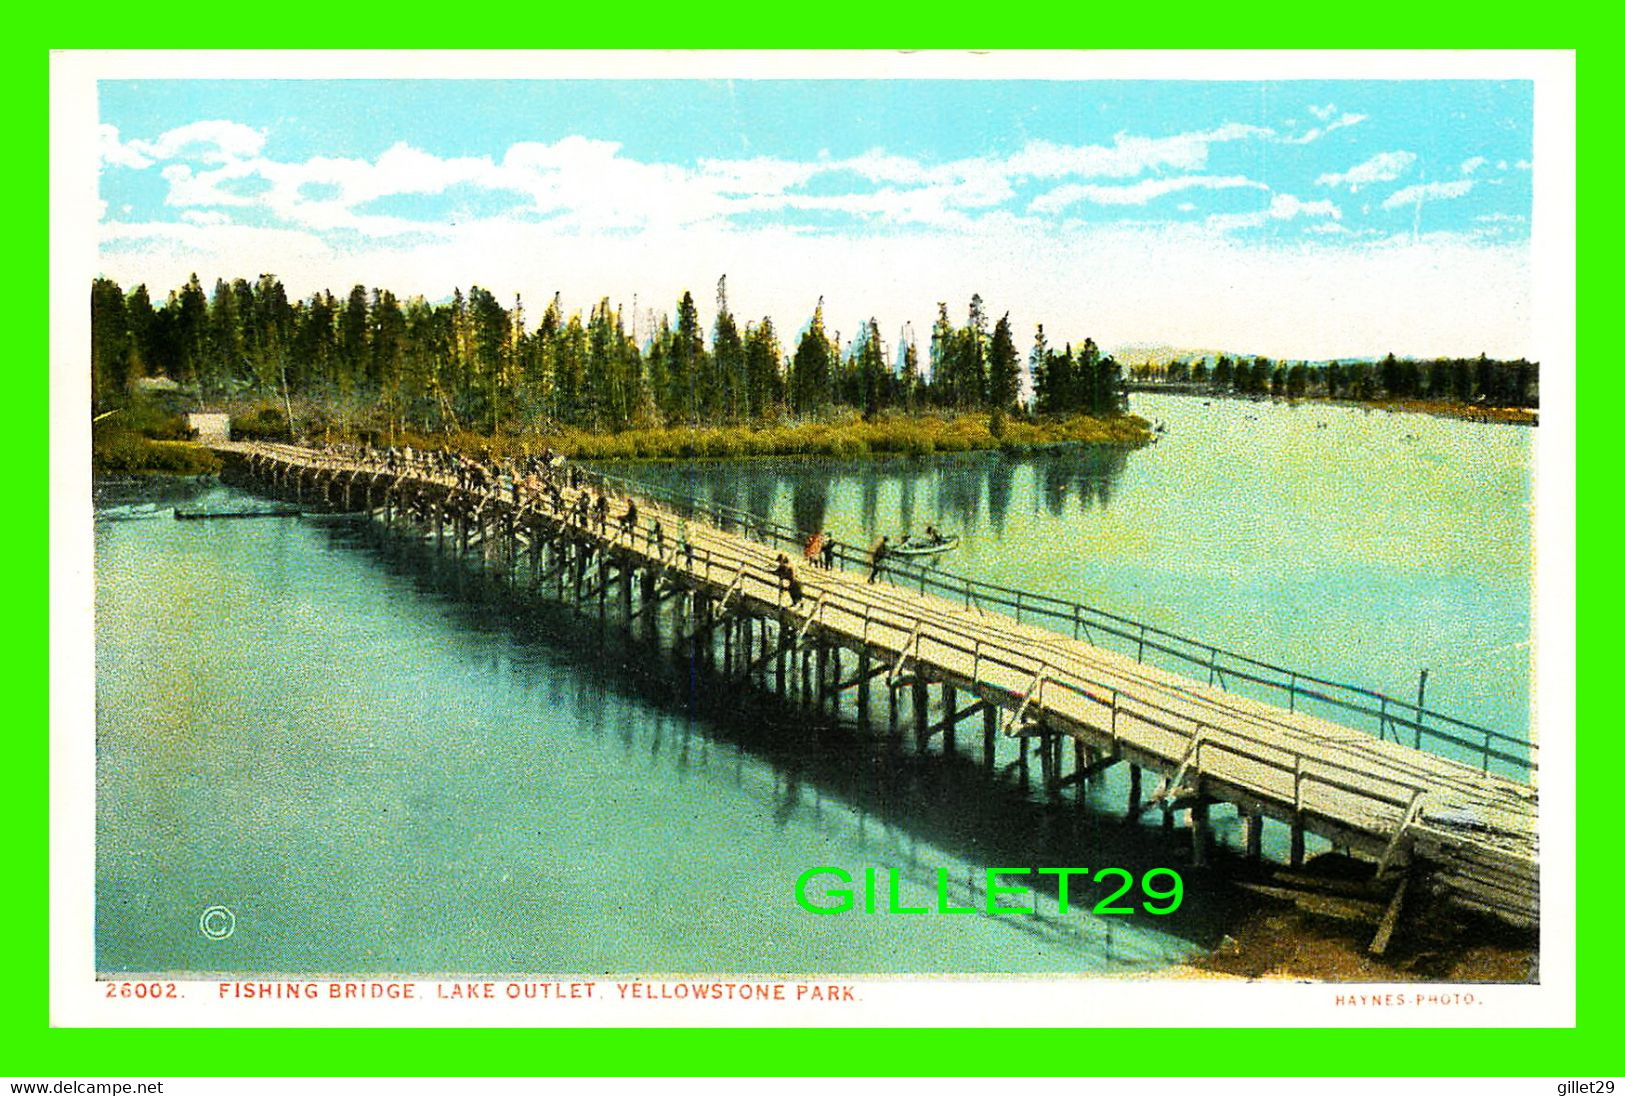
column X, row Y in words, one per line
column 1141, row 354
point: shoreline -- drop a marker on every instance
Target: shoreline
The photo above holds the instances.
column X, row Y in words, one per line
column 897, row 437
column 1462, row 412
column 1434, row 942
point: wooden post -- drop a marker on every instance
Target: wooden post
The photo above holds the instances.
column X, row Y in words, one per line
column 1390, row 916
column 1253, row 822
column 1134, row 778
column 950, row 706
column 863, row 685
column 1199, row 829
column 922, row 708
column 778, row 670
column 1297, row 840
column 821, row 695
column 651, row 611
column 990, row 727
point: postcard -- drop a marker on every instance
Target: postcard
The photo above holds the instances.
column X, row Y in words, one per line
column 849, row 539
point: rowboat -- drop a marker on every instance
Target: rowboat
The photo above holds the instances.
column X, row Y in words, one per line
column 925, row 547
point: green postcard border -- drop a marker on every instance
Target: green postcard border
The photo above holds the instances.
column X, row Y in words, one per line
column 29, row 1047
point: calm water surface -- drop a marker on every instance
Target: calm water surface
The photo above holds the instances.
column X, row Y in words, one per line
column 382, row 763
column 1357, row 547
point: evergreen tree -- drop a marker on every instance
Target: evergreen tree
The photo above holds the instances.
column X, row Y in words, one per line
column 109, row 342
column 811, row 369
column 387, row 351
column 687, row 364
column 873, row 377
column 190, row 311
column 1003, row 368
column 763, row 368
column 728, row 350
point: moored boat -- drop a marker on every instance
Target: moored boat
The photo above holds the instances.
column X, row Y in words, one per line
column 926, row 547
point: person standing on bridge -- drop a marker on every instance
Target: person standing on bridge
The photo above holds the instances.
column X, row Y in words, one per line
column 877, row 557
column 815, row 545
column 682, row 540
column 788, row 574
column 829, row 551
column 629, row 521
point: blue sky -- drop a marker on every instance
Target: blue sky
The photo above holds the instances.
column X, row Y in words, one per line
column 1296, row 218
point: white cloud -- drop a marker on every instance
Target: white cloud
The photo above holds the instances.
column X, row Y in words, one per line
column 756, row 177
column 1422, row 192
column 1523, row 165
column 1318, row 132
column 591, row 184
column 1323, row 113
column 1284, row 207
column 589, row 220
column 1384, row 167
column 112, row 151
column 1127, row 155
column 1138, row 193
column 1473, row 164
column 189, row 188
column 212, row 142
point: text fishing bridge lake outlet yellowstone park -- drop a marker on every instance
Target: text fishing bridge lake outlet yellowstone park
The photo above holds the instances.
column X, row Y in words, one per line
column 1364, row 771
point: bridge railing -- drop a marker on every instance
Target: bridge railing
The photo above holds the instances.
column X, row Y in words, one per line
column 1390, row 718
column 1296, row 774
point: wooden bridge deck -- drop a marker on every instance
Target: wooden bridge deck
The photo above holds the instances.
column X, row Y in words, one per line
column 1473, row 833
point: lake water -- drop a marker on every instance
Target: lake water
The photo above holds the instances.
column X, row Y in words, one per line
column 1361, row 548
column 382, row 761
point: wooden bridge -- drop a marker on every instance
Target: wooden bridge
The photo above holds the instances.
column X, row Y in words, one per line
column 1427, row 820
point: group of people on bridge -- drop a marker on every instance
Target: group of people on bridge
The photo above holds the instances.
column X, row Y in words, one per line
column 541, row 479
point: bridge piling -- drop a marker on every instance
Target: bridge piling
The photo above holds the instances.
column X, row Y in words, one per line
column 1353, row 794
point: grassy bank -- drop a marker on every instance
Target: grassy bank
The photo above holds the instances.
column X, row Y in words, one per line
column 1469, row 412
column 146, row 439
column 919, row 435
column 150, row 439
column 1518, row 416
column 131, row 454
